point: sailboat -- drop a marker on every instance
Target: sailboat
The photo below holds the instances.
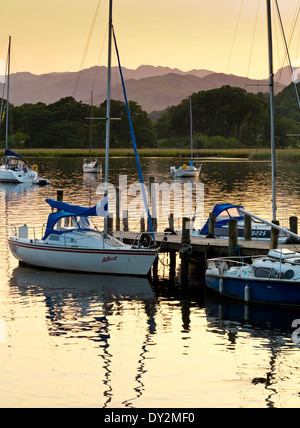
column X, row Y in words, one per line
column 187, row 170
column 15, row 168
column 271, row 279
column 91, row 165
column 70, row 243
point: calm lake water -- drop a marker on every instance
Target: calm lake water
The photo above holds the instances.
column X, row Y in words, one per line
column 76, row 340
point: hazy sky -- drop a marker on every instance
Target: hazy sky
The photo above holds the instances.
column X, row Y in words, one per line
column 219, row 35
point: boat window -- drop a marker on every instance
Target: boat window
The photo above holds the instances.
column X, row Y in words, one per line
column 223, row 216
column 54, row 237
column 233, row 212
column 66, row 223
column 84, row 222
column 61, row 238
column 262, row 272
column 289, row 274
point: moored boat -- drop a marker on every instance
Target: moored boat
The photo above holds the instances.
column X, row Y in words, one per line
column 270, row 279
column 15, row 169
column 70, row 243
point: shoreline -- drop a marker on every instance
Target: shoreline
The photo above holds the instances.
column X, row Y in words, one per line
column 250, row 154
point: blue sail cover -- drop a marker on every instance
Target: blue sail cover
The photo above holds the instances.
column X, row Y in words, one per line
column 218, row 209
column 99, row 210
column 11, row 153
column 67, row 210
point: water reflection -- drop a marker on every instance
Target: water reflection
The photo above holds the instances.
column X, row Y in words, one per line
column 92, row 340
column 80, row 306
column 270, row 327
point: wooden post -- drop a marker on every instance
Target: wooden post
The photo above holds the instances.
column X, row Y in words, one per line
column 117, row 209
column 142, row 224
column 171, row 221
column 211, row 225
column 153, row 204
column 125, row 220
column 184, row 250
column 60, row 195
column 233, row 236
column 274, row 236
column 294, row 225
column 172, row 265
column 110, row 223
column 247, row 225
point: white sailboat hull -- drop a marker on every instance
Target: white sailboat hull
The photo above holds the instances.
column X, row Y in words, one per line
column 185, row 172
column 17, row 176
column 120, row 261
column 92, row 167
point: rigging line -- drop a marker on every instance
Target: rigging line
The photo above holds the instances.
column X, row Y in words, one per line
column 252, row 43
column 288, row 55
column 134, row 140
column 86, row 49
column 234, row 37
column 101, row 52
column 290, row 37
column 3, row 107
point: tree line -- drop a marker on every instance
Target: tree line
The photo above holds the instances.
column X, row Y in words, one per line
column 67, row 123
column 233, row 114
column 227, row 114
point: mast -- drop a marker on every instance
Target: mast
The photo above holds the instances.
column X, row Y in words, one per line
column 191, row 131
column 7, row 96
column 271, row 90
column 108, row 106
column 91, row 124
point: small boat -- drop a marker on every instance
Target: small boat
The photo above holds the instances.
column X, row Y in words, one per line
column 15, row 168
column 91, row 166
column 70, row 243
column 224, row 212
column 187, row 170
column 271, row 279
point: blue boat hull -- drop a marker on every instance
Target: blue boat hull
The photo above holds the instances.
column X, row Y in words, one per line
column 276, row 292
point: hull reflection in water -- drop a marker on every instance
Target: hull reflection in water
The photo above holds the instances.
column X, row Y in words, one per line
column 101, row 285
column 116, row 315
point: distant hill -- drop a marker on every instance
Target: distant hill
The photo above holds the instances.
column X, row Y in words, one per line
column 154, row 88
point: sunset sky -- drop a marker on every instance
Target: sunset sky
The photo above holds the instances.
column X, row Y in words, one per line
column 218, row 35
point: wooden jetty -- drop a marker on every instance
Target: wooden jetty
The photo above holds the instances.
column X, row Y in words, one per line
column 201, row 249
column 196, row 247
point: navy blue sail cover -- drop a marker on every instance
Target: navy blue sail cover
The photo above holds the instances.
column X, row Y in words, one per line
column 67, row 210
column 11, row 153
column 99, row 210
column 218, row 209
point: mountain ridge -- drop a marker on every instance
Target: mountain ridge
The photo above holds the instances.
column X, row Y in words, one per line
column 153, row 87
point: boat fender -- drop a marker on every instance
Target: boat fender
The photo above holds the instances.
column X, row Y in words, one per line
column 247, row 293
column 221, row 285
column 184, row 166
column 145, row 240
column 35, row 168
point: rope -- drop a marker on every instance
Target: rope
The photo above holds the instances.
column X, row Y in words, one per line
column 232, row 250
column 185, row 248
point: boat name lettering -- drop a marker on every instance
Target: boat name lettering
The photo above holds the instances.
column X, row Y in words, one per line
column 109, row 259
column 259, row 232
